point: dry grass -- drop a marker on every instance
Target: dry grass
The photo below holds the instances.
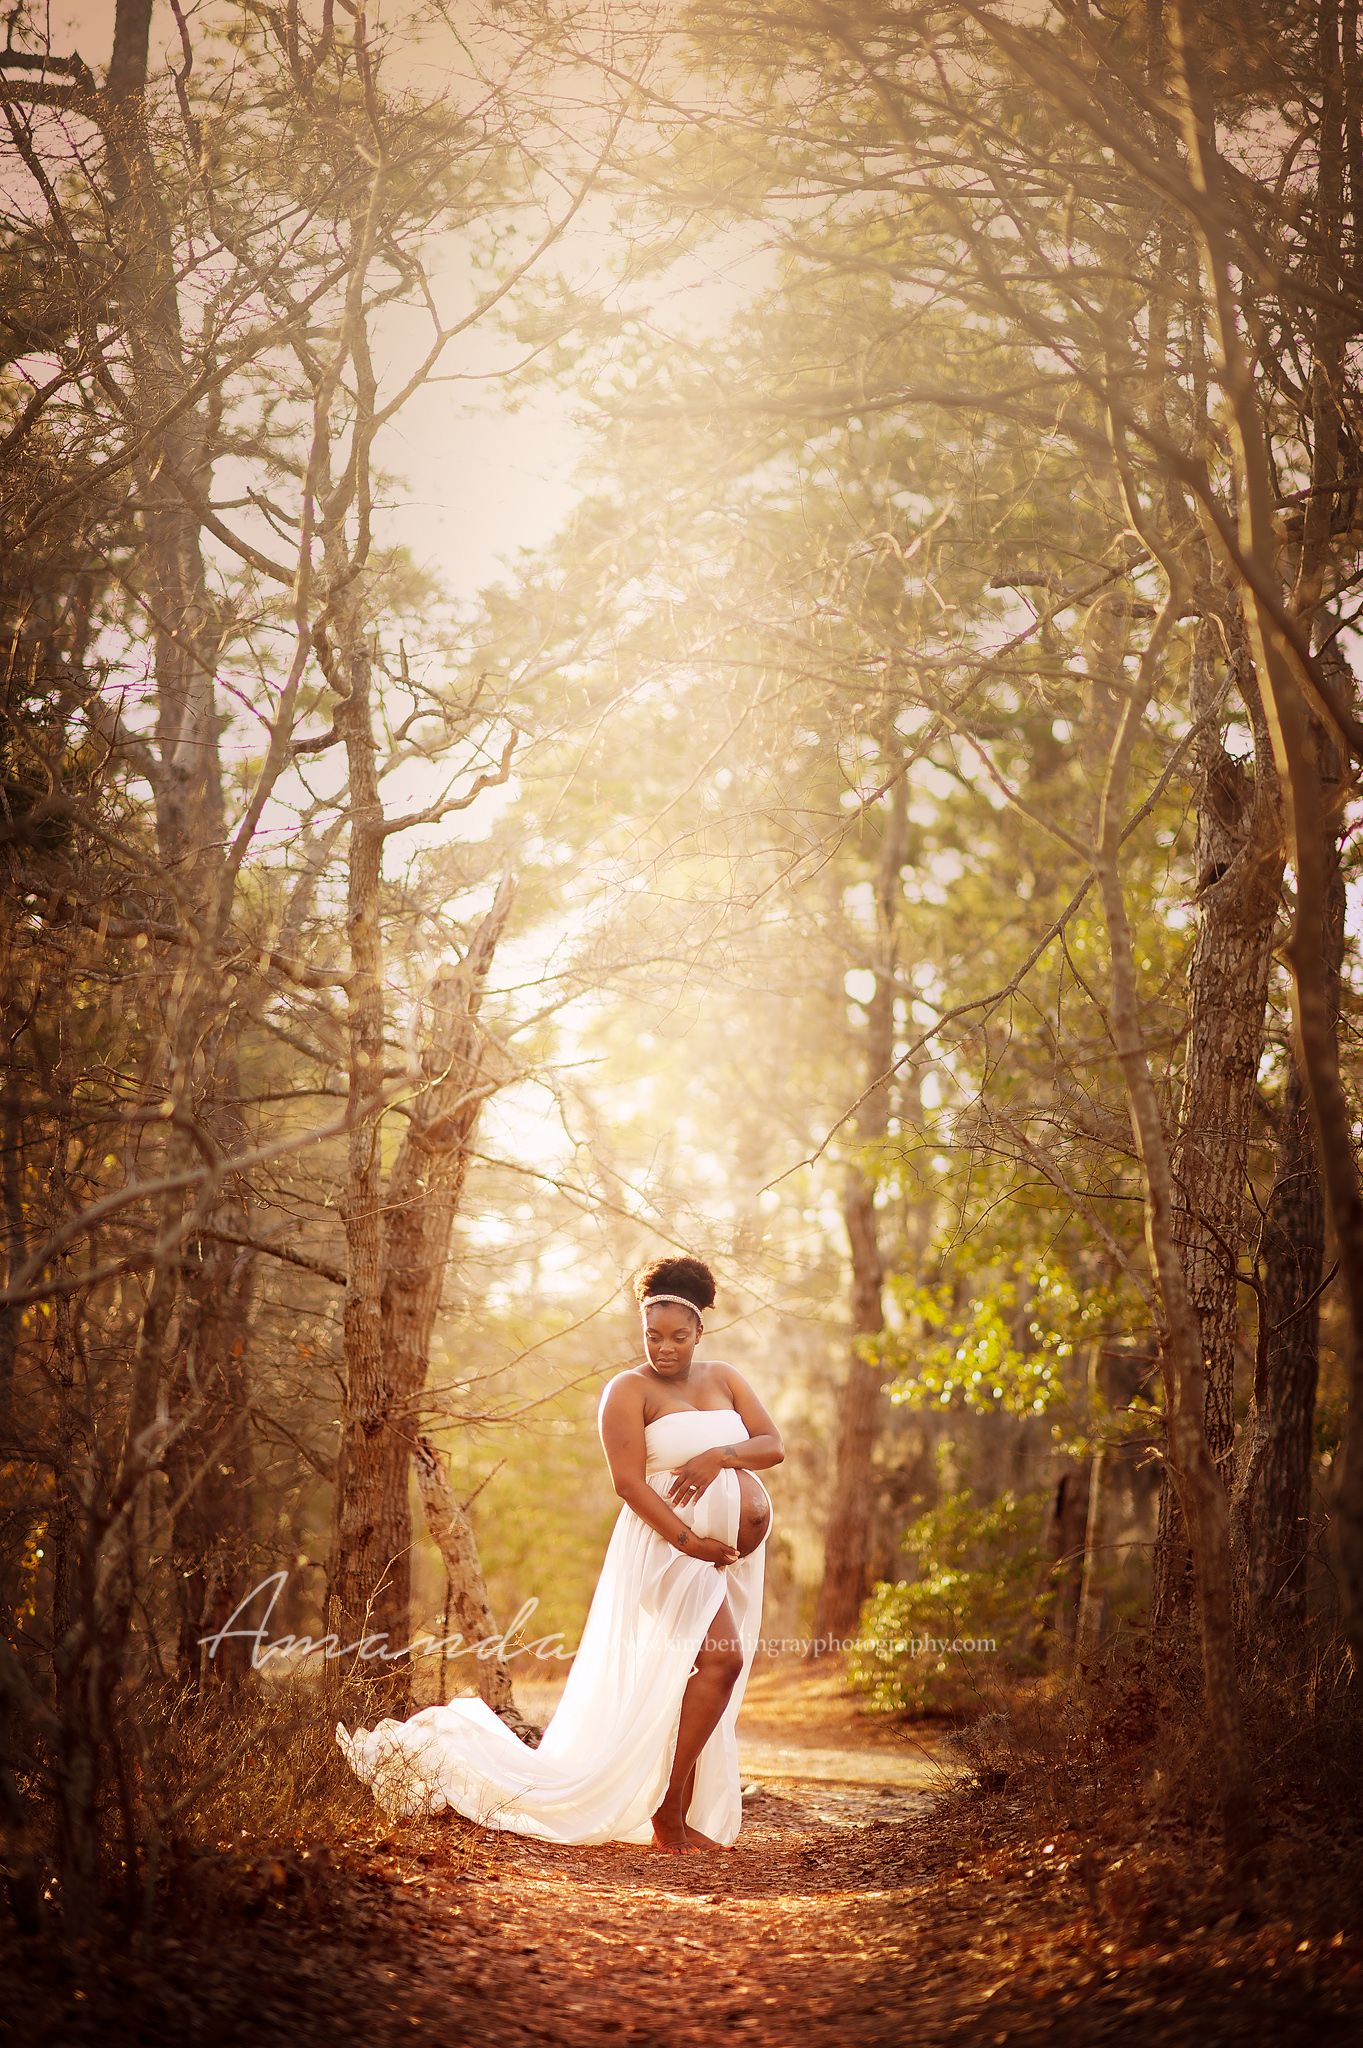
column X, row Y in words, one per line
column 259, row 1763
column 1114, row 1778
column 216, row 1801
column 1135, row 1727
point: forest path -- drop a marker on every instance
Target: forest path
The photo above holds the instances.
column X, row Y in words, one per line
column 852, row 1913
column 802, row 1736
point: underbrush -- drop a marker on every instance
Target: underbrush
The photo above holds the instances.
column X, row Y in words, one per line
column 227, row 1803
column 976, row 1605
column 1114, row 1777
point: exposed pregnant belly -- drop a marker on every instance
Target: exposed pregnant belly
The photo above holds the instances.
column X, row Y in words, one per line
column 754, row 1512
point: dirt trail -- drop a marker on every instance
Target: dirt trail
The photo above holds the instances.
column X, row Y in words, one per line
column 800, row 1736
column 853, row 1911
column 803, row 1738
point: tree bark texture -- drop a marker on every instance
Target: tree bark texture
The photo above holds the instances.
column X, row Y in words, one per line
column 1293, row 1252
column 452, row 1535
column 209, row 1465
column 1202, row 1493
column 208, row 1368
column 1332, row 1117
column 362, row 1550
column 1290, row 680
column 1066, row 1535
column 1277, row 1504
column 1239, row 863
column 848, row 1533
column 187, row 630
column 396, row 1310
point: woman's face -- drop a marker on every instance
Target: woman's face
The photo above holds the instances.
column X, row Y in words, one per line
column 670, row 1336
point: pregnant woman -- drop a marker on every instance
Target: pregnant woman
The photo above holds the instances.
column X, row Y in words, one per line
column 642, row 1747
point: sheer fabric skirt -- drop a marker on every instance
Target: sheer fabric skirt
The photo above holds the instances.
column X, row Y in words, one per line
column 606, row 1757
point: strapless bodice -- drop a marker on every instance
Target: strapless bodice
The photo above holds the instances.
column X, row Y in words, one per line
column 671, row 1439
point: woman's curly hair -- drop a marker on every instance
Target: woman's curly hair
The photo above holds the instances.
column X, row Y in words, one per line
column 687, row 1277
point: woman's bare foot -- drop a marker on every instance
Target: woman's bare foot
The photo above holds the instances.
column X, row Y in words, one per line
column 671, row 1835
column 700, row 1841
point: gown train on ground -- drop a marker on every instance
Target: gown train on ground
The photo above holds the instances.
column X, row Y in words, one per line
column 605, row 1759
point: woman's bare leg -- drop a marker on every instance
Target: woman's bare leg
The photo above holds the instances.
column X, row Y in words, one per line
column 753, row 1523
column 718, row 1669
column 694, row 1835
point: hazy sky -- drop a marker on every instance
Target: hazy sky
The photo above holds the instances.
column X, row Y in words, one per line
column 481, row 482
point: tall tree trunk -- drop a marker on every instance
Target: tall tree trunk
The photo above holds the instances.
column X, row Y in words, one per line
column 371, row 1565
column 369, row 1573
column 1293, row 1250
column 1238, row 859
column 362, row 1556
column 847, row 1538
column 1239, row 863
column 1276, row 1510
column 1289, row 681
column 186, row 628
column 423, row 1194
column 1203, row 1495
column 208, row 1367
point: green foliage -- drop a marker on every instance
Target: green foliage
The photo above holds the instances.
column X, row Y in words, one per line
column 1006, row 1350
column 923, row 1642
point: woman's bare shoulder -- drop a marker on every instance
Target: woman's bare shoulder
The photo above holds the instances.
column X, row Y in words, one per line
column 623, row 1396
column 746, row 1399
column 723, row 1378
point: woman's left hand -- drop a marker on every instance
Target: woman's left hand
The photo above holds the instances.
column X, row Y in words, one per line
column 691, row 1479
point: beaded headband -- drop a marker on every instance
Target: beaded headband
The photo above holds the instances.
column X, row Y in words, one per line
column 646, row 1304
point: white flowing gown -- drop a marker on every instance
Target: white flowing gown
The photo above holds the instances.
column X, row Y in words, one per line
column 605, row 1759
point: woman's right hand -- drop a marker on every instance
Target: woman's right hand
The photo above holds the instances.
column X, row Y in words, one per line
column 710, row 1550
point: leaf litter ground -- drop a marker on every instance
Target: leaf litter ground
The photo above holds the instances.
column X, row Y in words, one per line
column 857, row 1909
